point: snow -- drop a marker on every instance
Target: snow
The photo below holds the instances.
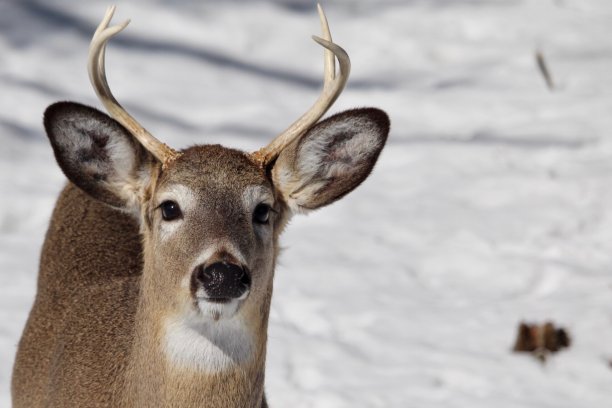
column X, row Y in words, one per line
column 491, row 204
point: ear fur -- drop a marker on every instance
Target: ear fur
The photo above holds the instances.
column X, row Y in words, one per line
column 97, row 154
column 331, row 159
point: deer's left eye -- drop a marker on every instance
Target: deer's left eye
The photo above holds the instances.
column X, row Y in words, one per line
column 170, row 210
column 261, row 214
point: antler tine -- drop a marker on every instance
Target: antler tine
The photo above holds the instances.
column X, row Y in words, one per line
column 332, row 88
column 97, row 76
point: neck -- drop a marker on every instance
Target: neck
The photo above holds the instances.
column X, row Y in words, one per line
column 189, row 360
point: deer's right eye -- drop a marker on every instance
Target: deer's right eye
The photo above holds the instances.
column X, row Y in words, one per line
column 170, row 210
column 261, row 214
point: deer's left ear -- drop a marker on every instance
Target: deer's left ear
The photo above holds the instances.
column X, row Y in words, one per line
column 331, row 159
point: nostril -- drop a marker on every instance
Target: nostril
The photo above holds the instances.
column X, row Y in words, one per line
column 245, row 279
column 204, row 274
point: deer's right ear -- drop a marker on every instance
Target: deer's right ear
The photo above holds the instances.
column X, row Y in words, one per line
column 330, row 159
column 97, row 154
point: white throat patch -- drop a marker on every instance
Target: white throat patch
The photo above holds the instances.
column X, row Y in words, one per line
column 201, row 344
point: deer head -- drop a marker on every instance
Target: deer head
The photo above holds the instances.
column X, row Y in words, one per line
column 210, row 216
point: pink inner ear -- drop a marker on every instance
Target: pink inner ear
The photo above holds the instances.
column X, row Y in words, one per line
column 347, row 153
column 338, row 150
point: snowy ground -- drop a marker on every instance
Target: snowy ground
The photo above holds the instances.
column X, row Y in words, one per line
column 491, row 204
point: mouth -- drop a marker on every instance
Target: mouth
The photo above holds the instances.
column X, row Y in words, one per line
column 218, row 300
column 202, row 296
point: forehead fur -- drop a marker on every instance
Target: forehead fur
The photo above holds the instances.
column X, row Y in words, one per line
column 207, row 164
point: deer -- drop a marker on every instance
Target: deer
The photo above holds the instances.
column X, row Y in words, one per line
column 156, row 272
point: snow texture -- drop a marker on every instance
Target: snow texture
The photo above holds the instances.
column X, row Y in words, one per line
column 491, row 204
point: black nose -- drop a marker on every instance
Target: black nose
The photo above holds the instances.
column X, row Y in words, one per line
column 223, row 281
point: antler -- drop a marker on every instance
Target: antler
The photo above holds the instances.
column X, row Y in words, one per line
column 97, row 76
column 332, row 88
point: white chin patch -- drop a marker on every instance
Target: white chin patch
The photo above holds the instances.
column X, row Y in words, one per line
column 211, row 339
column 217, row 311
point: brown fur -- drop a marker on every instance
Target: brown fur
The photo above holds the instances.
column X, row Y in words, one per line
column 77, row 339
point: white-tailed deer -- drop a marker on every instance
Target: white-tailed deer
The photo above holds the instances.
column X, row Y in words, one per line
column 156, row 274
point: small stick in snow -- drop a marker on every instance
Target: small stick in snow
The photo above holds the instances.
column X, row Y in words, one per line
column 543, row 67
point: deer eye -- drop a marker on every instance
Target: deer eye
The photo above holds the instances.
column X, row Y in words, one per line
column 170, row 210
column 261, row 214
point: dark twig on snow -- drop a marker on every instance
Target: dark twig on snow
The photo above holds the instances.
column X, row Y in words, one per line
column 543, row 67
